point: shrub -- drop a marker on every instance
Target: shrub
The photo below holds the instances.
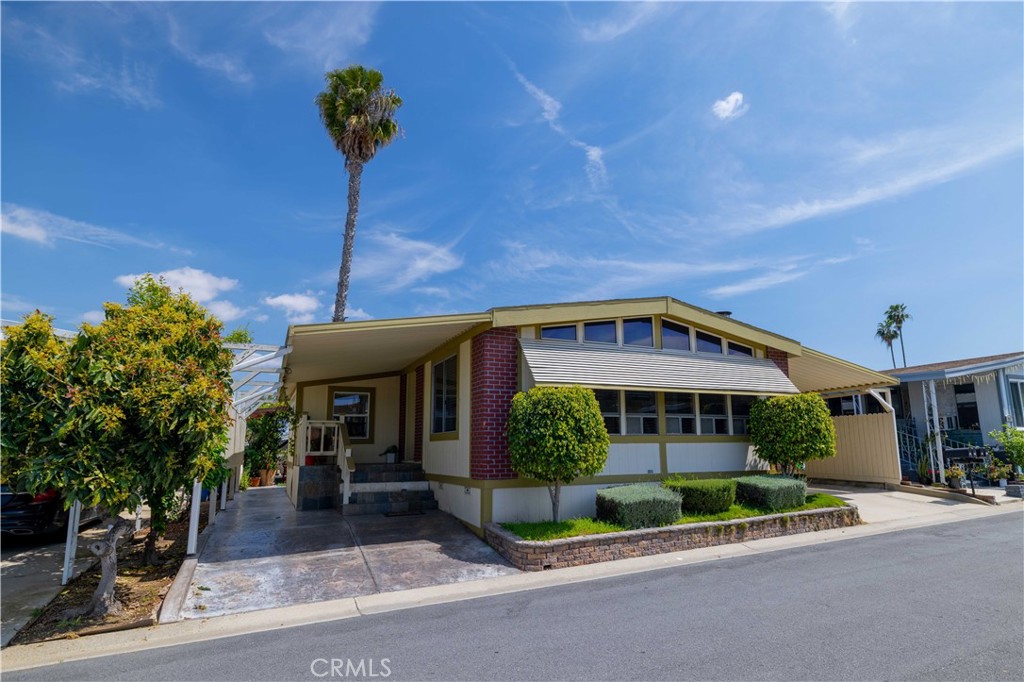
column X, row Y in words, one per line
column 1012, row 441
column 704, row 496
column 638, row 506
column 788, row 430
column 771, row 492
column 556, row 434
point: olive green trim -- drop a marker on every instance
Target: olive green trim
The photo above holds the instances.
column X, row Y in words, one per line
column 454, row 480
column 657, row 332
column 678, row 438
column 449, row 347
column 486, row 505
column 663, row 456
column 372, row 391
column 340, row 380
column 447, row 435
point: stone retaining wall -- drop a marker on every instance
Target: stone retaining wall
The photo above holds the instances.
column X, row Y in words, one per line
column 530, row 555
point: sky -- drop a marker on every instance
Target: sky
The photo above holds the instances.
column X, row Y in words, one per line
column 802, row 165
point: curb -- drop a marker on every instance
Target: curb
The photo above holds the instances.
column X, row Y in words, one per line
column 174, row 600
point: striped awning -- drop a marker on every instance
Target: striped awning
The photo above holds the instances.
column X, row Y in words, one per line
column 560, row 363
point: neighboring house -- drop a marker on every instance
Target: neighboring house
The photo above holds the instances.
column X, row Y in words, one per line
column 675, row 384
column 962, row 399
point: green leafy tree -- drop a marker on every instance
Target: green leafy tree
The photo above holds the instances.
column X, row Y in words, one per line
column 789, row 430
column 264, row 431
column 895, row 317
column 359, row 115
column 239, row 335
column 1012, row 441
column 556, row 434
column 133, row 408
column 887, row 335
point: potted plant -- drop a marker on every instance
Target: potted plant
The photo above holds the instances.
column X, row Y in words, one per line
column 390, row 455
column 998, row 472
column 955, row 477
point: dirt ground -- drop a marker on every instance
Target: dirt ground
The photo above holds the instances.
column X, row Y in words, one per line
column 140, row 589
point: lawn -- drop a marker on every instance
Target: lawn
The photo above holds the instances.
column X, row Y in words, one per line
column 550, row 530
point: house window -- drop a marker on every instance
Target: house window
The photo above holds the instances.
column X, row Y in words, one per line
column 609, row 402
column 445, row 396
column 641, row 413
column 714, row 419
column 740, row 349
column 565, row 332
column 708, row 343
column 599, row 332
column 741, row 414
column 353, row 408
column 1017, row 402
column 638, row 332
column 674, row 336
column 679, row 414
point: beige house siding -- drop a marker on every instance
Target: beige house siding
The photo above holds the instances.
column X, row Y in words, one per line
column 865, row 451
column 633, row 458
column 698, row 457
column 449, row 456
column 383, row 413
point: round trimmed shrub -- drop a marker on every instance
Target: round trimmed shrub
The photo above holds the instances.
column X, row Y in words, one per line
column 788, row 430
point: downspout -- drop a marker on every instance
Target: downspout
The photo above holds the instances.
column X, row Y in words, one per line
column 938, row 431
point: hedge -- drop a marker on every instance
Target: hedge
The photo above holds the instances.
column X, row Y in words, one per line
column 704, row 496
column 638, row 506
column 771, row 492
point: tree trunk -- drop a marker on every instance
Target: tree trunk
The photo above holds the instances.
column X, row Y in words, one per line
column 157, row 525
column 103, row 599
column 555, row 490
column 893, row 354
column 903, row 351
column 355, row 173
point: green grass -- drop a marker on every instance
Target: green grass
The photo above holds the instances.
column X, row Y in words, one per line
column 549, row 530
column 743, row 511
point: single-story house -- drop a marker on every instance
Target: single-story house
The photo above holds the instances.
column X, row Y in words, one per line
column 675, row 383
column 963, row 399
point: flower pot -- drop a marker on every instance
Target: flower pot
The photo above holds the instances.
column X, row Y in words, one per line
column 267, row 477
column 390, row 457
column 956, row 483
column 1002, row 482
column 254, row 481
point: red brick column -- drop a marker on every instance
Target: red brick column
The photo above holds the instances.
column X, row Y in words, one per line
column 779, row 357
column 494, row 380
column 402, row 389
column 417, row 446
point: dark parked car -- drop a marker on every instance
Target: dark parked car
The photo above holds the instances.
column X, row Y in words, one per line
column 25, row 514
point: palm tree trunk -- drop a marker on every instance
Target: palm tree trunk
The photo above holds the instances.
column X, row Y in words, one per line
column 893, row 354
column 902, row 350
column 355, row 174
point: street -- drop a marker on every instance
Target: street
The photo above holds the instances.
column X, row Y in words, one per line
column 936, row 603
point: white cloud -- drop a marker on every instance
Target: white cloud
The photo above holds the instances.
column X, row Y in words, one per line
column 298, row 308
column 226, row 311
column 93, row 316
column 326, row 34
column 11, row 304
column 731, row 107
column 765, row 281
column 201, row 285
column 842, row 15
column 628, row 18
column 551, row 109
column 394, row 261
column 47, row 228
column 229, row 67
column 357, row 314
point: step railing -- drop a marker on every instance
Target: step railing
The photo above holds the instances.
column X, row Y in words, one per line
column 327, row 439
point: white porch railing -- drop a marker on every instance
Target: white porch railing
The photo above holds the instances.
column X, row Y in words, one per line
column 326, row 439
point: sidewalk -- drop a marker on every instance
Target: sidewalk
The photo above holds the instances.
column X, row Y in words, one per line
column 182, row 632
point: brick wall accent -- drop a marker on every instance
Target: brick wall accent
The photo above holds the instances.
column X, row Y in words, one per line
column 779, row 357
column 417, row 446
column 403, row 387
column 493, row 382
column 590, row 549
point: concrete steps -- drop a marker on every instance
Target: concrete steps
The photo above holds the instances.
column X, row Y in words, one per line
column 389, row 489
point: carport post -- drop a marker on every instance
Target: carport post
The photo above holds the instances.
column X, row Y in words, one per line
column 193, row 517
column 224, row 494
column 211, row 507
column 938, row 431
column 138, row 518
column 71, row 546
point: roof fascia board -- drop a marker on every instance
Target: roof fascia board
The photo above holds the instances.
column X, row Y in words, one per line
column 715, row 322
column 450, row 346
column 396, row 323
column 883, row 379
column 571, row 312
column 953, row 372
column 657, row 389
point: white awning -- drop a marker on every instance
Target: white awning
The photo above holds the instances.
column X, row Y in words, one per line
column 560, row 363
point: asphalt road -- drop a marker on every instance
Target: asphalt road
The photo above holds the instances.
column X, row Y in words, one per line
column 937, row 603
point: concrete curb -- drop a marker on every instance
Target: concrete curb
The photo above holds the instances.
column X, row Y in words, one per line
column 174, row 600
column 187, row 631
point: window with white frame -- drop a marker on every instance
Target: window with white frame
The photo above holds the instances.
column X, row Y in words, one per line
column 714, row 415
column 353, row 408
column 445, row 383
column 638, row 331
column 740, row 349
column 741, row 413
column 562, row 332
column 641, row 413
column 599, row 332
column 708, row 343
column 609, row 402
column 674, row 336
column 1017, row 402
column 680, row 417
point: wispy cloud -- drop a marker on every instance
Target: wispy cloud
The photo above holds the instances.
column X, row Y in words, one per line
column 11, row 304
column 93, row 316
column 842, row 14
column 731, row 107
column 626, row 18
column 551, row 109
column 204, row 287
column 325, row 34
column 47, row 228
column 395, row 261
column 298, row 308
column 229, row 67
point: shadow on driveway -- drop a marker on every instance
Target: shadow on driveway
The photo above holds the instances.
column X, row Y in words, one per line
column 263, row 554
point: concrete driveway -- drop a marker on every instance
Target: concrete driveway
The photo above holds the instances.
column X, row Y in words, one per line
column 878, row 506
column 263, row 554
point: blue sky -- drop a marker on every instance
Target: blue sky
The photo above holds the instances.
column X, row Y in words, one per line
column 803, row 165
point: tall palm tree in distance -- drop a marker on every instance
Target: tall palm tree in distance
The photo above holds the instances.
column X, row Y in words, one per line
column 359, row 115
column 895, row 316
column 887, row 334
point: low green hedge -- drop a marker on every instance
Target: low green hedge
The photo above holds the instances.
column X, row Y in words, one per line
column 771, row 492
column 704, row 496
column 638, row 506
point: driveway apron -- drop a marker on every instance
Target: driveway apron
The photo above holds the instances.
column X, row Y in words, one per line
column 263, row 554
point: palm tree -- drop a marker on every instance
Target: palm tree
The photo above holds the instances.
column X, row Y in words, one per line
column 887, row 334
column 358, row 113
column 895, row 316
